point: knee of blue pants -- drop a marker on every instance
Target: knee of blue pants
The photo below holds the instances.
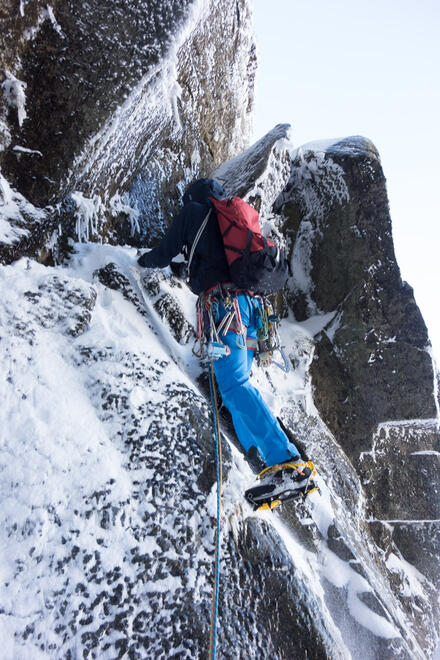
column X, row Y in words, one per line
column 254, row 423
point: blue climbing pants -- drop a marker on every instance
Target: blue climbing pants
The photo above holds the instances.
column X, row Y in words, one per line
column 254, row 423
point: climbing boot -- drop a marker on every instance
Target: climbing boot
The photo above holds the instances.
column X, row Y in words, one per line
column 282, row 482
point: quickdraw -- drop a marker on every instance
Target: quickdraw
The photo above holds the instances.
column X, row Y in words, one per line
column 268, row 339
column 209, row 329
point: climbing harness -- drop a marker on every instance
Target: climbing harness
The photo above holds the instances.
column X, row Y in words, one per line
column 218, row 455
column 210, row 330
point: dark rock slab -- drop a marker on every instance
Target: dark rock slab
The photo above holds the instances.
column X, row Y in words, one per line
column 77, row 75
column 272, row 590
column 401, row 474
column 371, row 362
column 419, row 543
column 412, row 543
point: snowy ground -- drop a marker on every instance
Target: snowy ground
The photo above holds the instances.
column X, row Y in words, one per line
column 97, row 400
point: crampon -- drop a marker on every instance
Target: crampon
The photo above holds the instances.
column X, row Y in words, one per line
column 282, row 482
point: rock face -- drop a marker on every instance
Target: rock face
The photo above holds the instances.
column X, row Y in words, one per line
column 333, row 213
column 376, row 343
column 108, row 471
column 120, row 112
column 373, row 376
column 116, row 525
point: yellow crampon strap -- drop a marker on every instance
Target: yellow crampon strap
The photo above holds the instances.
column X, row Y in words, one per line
column 269, row 506
column 293, row 466
column 309, row 492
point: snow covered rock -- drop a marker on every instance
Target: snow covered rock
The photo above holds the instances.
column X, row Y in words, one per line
column 107, row 486
column 401, row 477
column 372, row 361
column 123, row 101
column 368, row 363
column 107, row 474
column 109, row 531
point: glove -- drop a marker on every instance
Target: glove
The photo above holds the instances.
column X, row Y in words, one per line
column 143, row 260
column 179, row 269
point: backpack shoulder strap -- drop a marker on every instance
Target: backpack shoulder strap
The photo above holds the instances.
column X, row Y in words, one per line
column 197, row 239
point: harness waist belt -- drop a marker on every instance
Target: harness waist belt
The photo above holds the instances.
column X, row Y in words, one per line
column 226, row 286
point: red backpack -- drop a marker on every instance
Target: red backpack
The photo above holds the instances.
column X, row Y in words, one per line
column 255, row 263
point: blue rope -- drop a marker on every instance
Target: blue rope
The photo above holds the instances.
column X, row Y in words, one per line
column 218, row 456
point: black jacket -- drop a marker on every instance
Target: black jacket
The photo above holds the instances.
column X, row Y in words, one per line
column 209, row 266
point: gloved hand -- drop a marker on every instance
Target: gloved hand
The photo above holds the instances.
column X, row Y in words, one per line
column 179, row 269
column 143, row 260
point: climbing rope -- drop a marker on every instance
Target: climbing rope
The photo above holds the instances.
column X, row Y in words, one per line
column 218, row 456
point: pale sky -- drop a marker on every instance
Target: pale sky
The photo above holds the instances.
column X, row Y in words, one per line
column 334, row 68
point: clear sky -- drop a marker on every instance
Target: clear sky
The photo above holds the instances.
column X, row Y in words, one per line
column 333, row 68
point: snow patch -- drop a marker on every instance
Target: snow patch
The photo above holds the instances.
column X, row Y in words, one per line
column 435, row 384
column 25, row 150
column 333, row 327
column 413, row 578
column 195, row 160
column 13, row 91
column 48, row 14
column 316, row 324
column 45, row 14
column 318, row 146
column 301, row 263
column 341, row 574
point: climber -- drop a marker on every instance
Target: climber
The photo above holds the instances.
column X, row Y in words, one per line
column 258, row 430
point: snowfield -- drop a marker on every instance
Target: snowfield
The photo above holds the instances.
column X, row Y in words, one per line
column 107, row 531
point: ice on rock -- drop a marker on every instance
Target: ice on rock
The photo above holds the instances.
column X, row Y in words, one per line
column 24, row 150
column 14, row 211
column 14, row 93
column 87, row 213
column 107, row 475
column 120, row 204
column 118, row 486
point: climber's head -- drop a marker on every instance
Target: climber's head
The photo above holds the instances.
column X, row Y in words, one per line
column 200, row 190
